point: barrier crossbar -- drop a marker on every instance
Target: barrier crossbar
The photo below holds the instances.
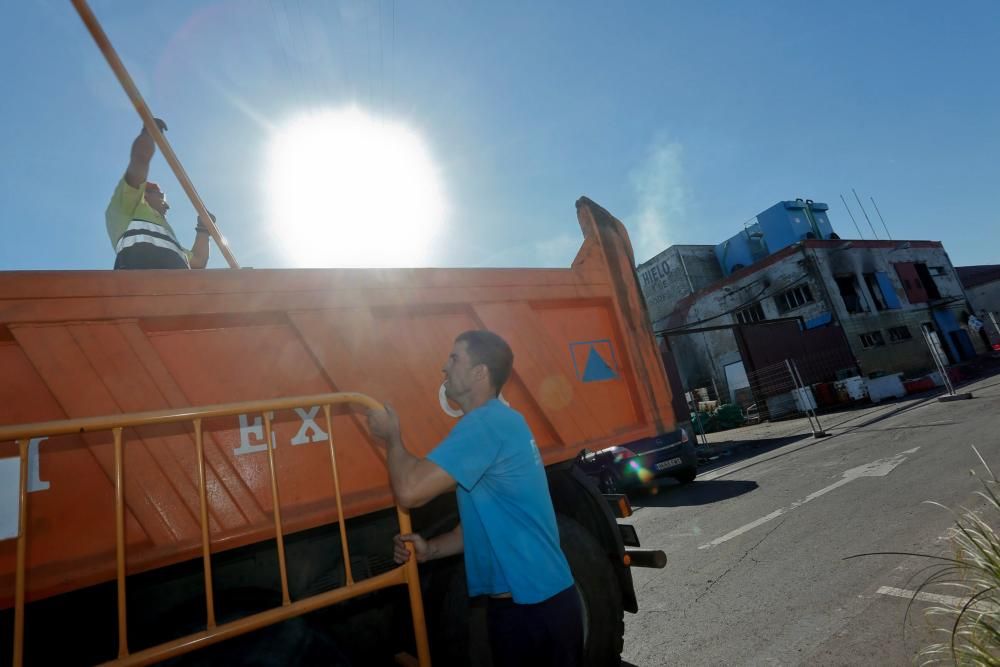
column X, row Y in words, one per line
column 403, row 575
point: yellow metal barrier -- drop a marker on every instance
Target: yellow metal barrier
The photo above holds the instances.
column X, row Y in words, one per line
column 404, row 575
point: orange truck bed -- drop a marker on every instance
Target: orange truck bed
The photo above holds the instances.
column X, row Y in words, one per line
column 587, row 374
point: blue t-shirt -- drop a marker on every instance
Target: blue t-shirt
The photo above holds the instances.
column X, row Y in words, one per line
column 508, row 524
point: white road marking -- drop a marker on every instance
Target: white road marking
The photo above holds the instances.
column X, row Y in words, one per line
column 949, row 600
column 879, row 468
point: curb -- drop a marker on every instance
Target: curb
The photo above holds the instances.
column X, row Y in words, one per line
column 707, row 452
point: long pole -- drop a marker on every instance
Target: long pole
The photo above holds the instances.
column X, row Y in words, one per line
column 860, row 235
column 800, row 399
column 861, row 206
column 884, row 226
column 104, row 44
column 819, row 432
column 938, row 362
column 996, row 326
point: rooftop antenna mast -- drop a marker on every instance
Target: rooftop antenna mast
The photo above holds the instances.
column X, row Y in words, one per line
column 104, row 44
column 860, row 235
column 865, row 212
column 881, row 218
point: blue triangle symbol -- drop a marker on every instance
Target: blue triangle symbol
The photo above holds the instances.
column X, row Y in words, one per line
column 597, row 369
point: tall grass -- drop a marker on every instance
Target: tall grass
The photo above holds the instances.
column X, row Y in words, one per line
column 970, row 623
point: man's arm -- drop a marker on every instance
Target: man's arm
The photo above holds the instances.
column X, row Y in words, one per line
column 446, row 544
column 415, row 481
column 199, row 251
column 143, row 149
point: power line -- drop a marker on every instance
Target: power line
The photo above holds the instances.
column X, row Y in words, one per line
column 340, row 57
column 323, row 80
column 311, row 80
column 296, row 88
column 303, row 47
column 756, row 297
column 381, row 70
column 368, row 59
column 392, row 58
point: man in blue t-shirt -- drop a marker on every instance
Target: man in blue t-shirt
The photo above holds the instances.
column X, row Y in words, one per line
column 507, row 525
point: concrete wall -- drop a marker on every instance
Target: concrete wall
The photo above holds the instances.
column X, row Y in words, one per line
column 910, row 356
column 720, row 305
column 701, row 264
column 702, row 357
column 673, row 274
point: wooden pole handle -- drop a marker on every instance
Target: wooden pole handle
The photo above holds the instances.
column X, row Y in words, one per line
column 104, row 44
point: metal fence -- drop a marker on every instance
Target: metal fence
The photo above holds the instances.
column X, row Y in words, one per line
column 779, row 391
column 817, row 366
column 404, row 575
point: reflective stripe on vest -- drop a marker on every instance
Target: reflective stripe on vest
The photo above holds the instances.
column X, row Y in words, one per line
column 140, row 231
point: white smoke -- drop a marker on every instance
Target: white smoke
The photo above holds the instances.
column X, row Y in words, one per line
column 660, row 198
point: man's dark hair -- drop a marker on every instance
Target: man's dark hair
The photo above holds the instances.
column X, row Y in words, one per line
column 485, row 347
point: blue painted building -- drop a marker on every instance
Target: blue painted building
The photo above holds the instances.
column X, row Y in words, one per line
column 774, row 229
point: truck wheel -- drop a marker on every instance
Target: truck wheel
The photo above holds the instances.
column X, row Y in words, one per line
column 456, row 624
column 600, row 597
column 297, row 641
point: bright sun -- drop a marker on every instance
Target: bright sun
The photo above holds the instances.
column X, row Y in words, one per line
column 350, row 189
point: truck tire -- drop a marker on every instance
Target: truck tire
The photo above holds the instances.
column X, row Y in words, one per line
column 301, row 640
column 600, row 596
column 456, row 624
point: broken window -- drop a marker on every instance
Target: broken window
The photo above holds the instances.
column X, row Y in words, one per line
column 848, row 287
column 754, row 313
column 897, row 334
column 915, row 292
column 872, row 339
column 882, row 291
column 793, row 298
column 925, row 278
column 876, row 291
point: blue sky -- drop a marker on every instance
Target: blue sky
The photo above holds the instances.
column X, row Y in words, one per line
column 683, row 119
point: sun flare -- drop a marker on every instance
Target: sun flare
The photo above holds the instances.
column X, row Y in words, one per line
column 349, row 189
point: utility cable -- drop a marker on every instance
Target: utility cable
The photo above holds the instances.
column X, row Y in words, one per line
column 381, row 66
column 392, row 59
column 296, row 90
column 757, row 297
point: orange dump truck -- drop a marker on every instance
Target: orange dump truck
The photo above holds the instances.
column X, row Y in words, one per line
column 81, row 344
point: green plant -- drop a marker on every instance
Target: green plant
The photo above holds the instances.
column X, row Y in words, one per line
column 970, row 617
column 972, row 621
column 728, row 416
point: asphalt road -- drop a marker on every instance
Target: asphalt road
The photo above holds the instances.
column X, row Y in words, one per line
column 757, row 572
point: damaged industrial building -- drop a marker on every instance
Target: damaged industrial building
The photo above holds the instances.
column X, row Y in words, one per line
column 789, row 291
